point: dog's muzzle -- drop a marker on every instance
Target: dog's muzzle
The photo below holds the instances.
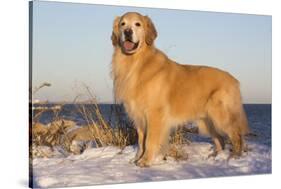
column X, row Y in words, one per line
column 128, row 45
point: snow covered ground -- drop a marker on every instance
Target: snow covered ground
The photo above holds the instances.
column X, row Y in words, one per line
column 107, row 165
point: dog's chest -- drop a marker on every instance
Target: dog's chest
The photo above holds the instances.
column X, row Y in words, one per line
column 125, row 79
column 125, row 88
column 126, row 92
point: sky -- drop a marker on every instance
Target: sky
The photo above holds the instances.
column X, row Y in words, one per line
column 71, row 47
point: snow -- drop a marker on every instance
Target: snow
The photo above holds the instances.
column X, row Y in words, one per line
column 110, row 165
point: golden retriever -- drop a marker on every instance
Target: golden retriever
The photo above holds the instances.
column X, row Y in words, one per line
column 159, row 94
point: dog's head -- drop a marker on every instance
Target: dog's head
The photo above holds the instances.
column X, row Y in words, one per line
column 132, row 31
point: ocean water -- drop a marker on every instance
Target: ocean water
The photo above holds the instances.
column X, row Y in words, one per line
column 259, row 117
column 77, row 112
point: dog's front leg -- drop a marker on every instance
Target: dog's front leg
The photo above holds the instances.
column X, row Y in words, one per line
column 141, row 132
column 140, row 127
column 155, row 135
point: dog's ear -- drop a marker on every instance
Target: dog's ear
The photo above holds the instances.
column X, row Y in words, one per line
column 115, row 31
column 151, row 33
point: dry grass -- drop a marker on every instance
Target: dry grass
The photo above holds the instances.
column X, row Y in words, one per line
column 120, row 134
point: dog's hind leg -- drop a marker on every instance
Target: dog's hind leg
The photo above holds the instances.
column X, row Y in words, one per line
column 219, row 145
column 237, row 144
column 207, row 128
column 224, row 111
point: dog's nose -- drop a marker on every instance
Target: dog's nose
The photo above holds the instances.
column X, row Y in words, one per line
column 128, row 32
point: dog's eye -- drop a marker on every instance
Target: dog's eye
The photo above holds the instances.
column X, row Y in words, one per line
column 123, row 24
column 138, row 24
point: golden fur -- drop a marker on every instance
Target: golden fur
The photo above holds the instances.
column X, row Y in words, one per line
column 159, row 94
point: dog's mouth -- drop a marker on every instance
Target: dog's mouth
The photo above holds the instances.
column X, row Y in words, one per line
column 129, row 46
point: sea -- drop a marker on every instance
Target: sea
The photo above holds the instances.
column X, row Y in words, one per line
column 259, row 117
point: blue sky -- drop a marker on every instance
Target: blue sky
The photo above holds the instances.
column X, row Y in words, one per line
column 72, row 47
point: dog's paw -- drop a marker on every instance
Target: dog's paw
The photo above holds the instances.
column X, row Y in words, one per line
column 143, row 163
column 233, row 156
column 212, row 155
column 133, row 160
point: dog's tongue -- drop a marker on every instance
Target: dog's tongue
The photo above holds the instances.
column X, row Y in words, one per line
column 128, row 45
